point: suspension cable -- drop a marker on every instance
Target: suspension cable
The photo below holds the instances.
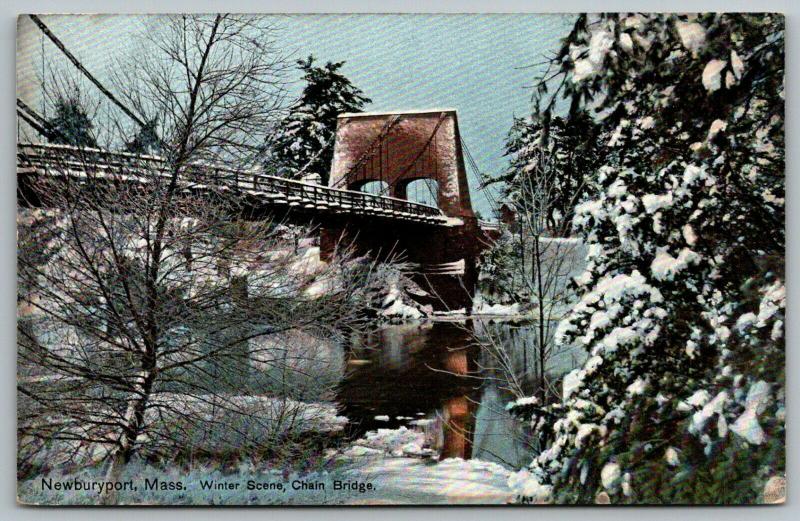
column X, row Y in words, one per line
column 369, row 152
column 480, row 177
column 37, row 122
column 39, row 23
column 424, row 148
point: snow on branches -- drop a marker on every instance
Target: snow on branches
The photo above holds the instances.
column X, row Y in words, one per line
column 682, row 300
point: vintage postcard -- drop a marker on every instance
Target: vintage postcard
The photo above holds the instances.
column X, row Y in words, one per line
column 401, row 259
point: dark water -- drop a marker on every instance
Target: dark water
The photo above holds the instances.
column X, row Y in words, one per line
column 435, row 372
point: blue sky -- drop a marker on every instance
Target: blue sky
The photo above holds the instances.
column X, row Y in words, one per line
column 477, row 64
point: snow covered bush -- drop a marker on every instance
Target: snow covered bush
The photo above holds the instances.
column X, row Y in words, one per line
column 393, row 295
column 498, row 275
column 682, row 301
column 393, row 442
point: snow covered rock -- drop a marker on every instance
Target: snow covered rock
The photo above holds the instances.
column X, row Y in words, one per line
column 610, row 477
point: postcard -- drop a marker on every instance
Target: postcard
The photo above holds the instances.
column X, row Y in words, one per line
column 368, row 259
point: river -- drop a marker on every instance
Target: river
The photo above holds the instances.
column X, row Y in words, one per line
column 439, row 376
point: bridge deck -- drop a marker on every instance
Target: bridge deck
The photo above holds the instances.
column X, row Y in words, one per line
column 75, row 162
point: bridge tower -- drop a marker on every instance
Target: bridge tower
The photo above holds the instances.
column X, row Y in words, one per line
column 395, row 149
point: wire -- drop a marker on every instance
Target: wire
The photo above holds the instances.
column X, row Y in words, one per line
column 369, row 152
column 37, row 122
column 35, row 125
column 83, row 70
column 21, row 105
column 477, row 172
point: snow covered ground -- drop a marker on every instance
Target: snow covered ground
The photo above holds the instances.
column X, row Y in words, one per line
column 404, row 471
column 484, row 308
column 420, row 481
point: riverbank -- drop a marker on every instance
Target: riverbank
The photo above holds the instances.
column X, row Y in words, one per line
column 404, row 470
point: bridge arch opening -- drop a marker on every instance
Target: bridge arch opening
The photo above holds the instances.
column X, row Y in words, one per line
column 372, row 187
column 422, row 190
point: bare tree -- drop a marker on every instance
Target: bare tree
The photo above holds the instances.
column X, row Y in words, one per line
column 538, row 260
column 152, row 312
column 214, row 85
column 551, row 263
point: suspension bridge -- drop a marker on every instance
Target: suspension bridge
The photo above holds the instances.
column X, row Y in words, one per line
column 263, row 193
column 380, row 161
column 441, row 240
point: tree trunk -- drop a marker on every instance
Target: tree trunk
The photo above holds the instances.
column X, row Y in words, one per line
column 540, row 297
column 134, row 420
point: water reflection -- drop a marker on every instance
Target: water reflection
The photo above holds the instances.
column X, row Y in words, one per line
column 437, row 373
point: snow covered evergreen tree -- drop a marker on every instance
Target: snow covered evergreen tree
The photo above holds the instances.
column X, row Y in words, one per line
column 146, row 140
column 71, row 124
column 500, row 270
column 682, row 302
column 304, row 143
column 565, row 150
column 550, row 164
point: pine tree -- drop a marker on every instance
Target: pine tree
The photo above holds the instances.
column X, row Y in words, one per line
column 565, row 150
column 146, row 140
column 305, row 142
column 71, row 124
column 499, row 272
column 682, row 303
column 552, row 163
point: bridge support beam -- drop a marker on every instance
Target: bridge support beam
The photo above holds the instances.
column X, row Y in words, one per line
column 421, row 246
column 398, row 149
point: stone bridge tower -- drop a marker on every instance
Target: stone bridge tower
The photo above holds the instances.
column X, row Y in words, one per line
column 390, row 151
column 399, row 148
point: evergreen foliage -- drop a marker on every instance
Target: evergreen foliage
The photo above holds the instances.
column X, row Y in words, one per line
column 498, row 281
column 305, row 141
column 71, row 124
column 566, row 150
column 146, row 140
column 682, row 303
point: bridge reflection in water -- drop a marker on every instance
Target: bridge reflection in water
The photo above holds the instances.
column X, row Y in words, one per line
column 430, row 371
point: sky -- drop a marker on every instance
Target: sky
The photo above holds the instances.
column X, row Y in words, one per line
column 481, row 65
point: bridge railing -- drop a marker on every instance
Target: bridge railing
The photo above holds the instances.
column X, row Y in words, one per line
column 489, row 225
column 282, row 190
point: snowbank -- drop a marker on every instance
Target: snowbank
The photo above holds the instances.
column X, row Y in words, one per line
column 223, row 423
column 395, row 307
column 399, row 465
column 392, row 442
column 200, row 423
column 451, row 481
column 496, row 309
column 460, row 312
column 523, row 483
